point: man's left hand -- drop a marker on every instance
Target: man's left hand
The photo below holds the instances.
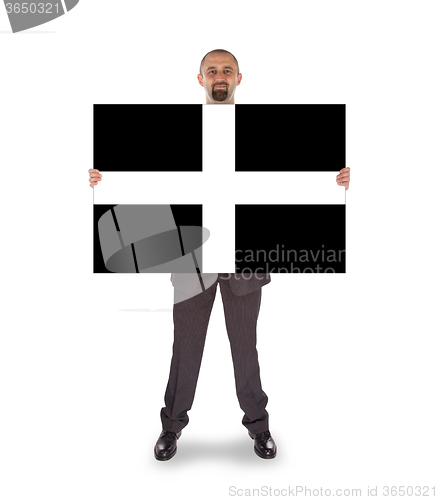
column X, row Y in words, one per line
column 344, row 177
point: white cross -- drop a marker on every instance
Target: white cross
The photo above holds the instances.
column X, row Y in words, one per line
column 218, row 188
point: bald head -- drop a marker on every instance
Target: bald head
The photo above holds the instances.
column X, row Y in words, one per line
column 218, row 51
column 219, row 75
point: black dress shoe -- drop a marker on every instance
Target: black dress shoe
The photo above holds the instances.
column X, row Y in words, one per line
column 265, row 447
column 166, row 446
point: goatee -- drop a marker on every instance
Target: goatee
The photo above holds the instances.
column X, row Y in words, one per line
column 220, row 95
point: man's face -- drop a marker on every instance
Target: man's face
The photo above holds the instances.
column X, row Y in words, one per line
column 220, row 78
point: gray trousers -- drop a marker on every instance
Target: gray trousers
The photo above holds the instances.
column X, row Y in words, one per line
column 191, row 319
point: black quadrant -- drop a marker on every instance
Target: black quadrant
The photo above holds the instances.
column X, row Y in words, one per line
column 290, row 238
column 184, row 215
column 290, row 137
column 147, row 137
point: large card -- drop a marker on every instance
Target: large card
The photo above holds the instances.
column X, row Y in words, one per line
column 259, row 181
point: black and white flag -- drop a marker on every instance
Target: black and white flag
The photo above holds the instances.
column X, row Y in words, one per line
column 238, row 188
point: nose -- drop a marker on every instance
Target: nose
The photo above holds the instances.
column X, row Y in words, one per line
column 221, row 76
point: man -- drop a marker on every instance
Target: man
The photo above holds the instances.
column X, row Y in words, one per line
column 241, row 295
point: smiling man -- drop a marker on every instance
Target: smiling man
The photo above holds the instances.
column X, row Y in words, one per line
column 241, row 295
column 219, row 75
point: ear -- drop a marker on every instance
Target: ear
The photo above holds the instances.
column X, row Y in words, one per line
column 200, row 80
column 239, row 79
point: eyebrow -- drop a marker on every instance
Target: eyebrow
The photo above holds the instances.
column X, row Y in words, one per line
column 214, row 67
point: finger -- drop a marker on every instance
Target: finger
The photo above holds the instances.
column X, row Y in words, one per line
column 344, row 176
column 95, row 176
column 343, row 183
column 347, row 169
column 93, row 170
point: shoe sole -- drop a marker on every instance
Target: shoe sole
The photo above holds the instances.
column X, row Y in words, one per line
column 163, row 459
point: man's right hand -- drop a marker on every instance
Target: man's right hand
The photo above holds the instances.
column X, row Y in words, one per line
column 95, row 177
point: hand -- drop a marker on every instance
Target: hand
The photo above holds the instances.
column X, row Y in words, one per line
column 344, row 177
column 95, row 177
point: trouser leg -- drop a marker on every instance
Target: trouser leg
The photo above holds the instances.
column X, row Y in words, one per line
column 191, row 319
column 241, row 313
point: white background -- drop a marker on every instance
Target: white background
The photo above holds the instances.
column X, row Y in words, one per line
column 349, row 362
